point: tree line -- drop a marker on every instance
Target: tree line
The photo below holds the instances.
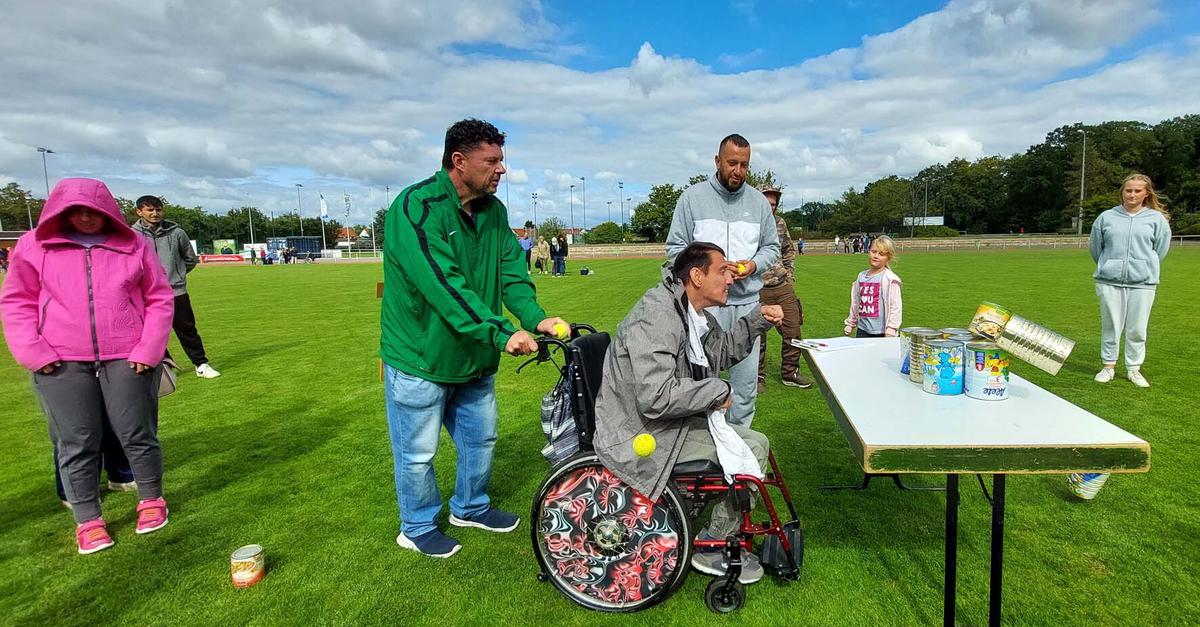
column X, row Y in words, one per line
column 1037, row 191
column 18, row 207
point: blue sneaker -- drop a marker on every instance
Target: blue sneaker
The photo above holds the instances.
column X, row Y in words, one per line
column 433, row 544
column 491, row 520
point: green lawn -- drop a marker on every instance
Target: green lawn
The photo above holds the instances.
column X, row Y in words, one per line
column 289, row 449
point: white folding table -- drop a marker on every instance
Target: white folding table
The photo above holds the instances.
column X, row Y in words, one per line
column 893, row 426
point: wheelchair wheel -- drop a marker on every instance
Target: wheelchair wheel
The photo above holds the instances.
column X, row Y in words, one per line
column 603, row 544
column 723, row 596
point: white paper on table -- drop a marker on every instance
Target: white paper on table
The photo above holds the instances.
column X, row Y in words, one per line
column 829, row 344
column 733, row 453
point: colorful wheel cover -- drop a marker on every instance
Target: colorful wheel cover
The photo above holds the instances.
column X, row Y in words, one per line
column 605, row 541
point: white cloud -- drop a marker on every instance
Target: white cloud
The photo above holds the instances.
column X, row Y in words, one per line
column 228, row 102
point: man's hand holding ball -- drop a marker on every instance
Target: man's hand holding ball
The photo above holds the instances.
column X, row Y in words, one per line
column 555, row 327
column 743, row 269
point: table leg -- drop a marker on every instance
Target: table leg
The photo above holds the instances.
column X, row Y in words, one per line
column 951, row 550
column 996, row 586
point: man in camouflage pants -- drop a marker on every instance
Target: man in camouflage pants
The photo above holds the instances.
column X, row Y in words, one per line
column 779, row 288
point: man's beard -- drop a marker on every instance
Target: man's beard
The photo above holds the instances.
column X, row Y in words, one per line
column 725, row 182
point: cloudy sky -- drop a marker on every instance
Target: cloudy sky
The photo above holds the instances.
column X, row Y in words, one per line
column 222, row 103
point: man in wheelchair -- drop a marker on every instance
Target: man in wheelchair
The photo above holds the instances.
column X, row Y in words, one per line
column 660, row 378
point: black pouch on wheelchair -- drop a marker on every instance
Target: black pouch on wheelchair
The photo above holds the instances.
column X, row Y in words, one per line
column 558, row 423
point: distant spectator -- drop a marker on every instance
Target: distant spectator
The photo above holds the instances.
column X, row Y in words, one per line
column 527, row 246
column 262, row 255
column 541, row 256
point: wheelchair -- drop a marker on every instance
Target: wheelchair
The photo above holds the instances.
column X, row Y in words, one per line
column 607, row 547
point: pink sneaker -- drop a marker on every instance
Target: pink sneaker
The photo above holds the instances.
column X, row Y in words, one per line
column 92, row 536
column 152, row 515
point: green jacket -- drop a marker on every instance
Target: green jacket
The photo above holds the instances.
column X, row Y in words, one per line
column 444, row 280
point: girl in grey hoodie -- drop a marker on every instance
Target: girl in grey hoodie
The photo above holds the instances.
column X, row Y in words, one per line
column 1128, row 243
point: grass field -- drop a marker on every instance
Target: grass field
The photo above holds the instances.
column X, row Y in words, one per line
column 289, row 449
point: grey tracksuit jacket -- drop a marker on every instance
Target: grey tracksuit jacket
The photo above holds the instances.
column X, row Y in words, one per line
column 174, row 250
column 740, row 222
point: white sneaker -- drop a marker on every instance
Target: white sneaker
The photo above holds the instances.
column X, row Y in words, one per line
column 1135, row 376
column 205, row 371
column 130, row 486
column 1105, row 375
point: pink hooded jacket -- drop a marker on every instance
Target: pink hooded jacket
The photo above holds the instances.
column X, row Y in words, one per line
column 63, row 302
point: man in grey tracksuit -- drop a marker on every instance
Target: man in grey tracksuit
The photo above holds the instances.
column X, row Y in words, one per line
column 178, row 258
column 736, row 217
column 653, row 384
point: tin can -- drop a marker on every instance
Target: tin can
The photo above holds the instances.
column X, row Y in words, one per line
column 916, row 354
column 949, row 332
column 247, row 565
column 943, row 368
column 963, row 337
column 986, row 371
column 906, row 345
column 989, row 320
column 1035, row 344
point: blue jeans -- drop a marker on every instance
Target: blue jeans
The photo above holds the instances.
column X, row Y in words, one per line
column 560, row 265
column 416, row 411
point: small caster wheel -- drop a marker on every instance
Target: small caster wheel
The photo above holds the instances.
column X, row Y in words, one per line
column 543, row 577
column 724, row 595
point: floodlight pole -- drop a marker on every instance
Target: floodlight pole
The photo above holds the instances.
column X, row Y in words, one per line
column 1082, row 175
column 621, row 193
column 45, row 172
column 583, row 182
column 572, row 206
column 534, row 194
column 299, row 215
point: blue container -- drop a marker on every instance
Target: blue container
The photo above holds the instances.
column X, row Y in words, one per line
column 943, row 368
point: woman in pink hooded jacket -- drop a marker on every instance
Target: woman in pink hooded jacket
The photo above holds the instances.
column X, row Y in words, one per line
column 87, row 308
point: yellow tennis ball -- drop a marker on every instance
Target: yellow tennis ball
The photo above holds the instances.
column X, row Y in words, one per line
column 644, row 445
column 741, row 268
column 562, row 331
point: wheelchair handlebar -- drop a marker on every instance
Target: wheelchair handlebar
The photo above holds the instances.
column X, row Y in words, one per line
column 546, row 343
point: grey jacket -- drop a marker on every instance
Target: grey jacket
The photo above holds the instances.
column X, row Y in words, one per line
column 649, row 386
column 174, row 250
column 1129, row 249
column 740, row 222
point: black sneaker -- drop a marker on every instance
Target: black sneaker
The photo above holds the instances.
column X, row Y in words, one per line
column 490, row 520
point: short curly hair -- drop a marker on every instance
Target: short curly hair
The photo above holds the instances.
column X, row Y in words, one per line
column 466, row 134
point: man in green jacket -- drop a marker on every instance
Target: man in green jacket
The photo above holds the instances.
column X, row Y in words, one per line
column 451, row 263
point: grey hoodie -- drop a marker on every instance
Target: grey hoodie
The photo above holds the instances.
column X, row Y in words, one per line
column 1129, row 249
column 174, row 250
column 649, row 386
column 740, row 222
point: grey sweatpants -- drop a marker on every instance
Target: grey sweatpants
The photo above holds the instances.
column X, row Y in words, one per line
column 1124, row 309
column 76, row 399
column 743, row 376
column 698, row 444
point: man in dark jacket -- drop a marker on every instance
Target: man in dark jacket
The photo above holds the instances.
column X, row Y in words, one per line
column 174, row 249
column 451, row 263
column 653, row 383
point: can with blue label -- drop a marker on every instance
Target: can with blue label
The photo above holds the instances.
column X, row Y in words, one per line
column 906, row 345
column 986, row 376
column 943, row 368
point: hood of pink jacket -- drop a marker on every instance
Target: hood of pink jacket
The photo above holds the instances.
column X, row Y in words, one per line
column 62, row 301
column 88, row 193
